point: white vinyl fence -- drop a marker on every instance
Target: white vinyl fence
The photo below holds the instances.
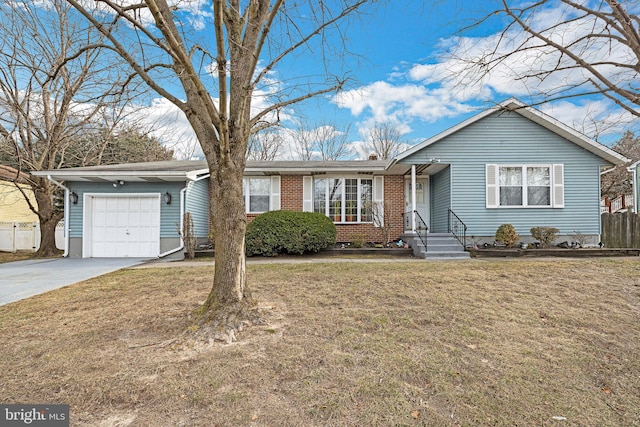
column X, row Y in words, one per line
column 25, row 236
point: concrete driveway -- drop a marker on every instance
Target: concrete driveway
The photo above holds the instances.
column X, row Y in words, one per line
column 22, row 279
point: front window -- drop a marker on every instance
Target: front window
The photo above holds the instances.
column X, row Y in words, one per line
column 343, row 199
column 257, row 192
column 525, row 185
column 510, row 186
column 538, row 186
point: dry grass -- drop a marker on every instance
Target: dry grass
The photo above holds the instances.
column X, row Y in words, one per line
column 15, row 256
column 452, row 343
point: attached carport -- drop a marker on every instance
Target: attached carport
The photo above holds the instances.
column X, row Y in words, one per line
column 128, row 210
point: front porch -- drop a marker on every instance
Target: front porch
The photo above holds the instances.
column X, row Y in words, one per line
column 431, row 228
column 429, row 245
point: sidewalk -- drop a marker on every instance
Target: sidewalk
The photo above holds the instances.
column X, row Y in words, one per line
column 199, row 262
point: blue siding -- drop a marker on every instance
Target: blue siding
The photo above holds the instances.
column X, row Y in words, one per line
column 169, row 214
column 440, row 200
column 508, row 138
column 198, row 204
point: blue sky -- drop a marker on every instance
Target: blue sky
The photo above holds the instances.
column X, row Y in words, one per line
column 399, row 76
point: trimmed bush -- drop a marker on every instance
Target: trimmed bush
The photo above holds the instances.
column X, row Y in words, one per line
column 506, row 234
column 289, row 232
column 545, row 235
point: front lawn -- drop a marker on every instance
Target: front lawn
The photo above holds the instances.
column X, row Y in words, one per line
column 473, row 343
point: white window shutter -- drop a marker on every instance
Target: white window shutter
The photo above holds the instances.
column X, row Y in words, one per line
column 307, row 194
column 245, row 186
column 275, row 193
column 558, row 186
column 491, row 178
column 378, row 201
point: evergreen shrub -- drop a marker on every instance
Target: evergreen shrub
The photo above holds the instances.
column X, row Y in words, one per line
column 289, row 232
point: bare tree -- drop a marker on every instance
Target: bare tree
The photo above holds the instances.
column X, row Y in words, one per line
column 332, row 142
column 323, row 141
column 127, row 143
column 382, row 219
column 302, row 142
column 618, row 181
column 264, row 145
column 248, row 40
column 582, row 48
column 384, row 140
column 56, row 82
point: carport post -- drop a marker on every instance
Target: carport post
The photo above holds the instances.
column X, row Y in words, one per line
column 413, row 198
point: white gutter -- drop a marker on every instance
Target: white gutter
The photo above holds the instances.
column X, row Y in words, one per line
column 66, row 214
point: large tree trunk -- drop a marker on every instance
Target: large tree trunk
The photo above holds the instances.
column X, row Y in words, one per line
column 230, row 223
column 48, row 216
column 229, row 306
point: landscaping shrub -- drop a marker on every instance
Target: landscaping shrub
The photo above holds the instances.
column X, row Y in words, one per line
column 357, row 241
column 546, row 235
column 289, row 232
column 506, row 234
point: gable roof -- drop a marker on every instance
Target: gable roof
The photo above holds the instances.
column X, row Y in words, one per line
column 535, row 116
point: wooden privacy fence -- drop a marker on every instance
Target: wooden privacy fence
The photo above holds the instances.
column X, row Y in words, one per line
column 621, row 230
column 25, row 236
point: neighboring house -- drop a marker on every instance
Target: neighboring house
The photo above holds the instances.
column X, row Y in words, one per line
column 19, row 227
column 13, row 206
column 509, row 164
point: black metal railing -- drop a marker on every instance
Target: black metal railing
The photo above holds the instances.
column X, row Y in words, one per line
column 457, row 228
column 421, row 226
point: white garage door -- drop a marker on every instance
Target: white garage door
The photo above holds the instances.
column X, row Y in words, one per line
column 125, row 226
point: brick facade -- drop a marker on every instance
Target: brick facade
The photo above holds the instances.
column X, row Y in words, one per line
column 291, row 199
column 291, row 192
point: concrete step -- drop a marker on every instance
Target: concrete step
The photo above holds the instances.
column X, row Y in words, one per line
column 448, row 255
column 439, row 246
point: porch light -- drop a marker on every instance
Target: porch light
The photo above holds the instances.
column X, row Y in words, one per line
column 167, row 198
column 73, row 197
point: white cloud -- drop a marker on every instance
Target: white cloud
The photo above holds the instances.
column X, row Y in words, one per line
column 597, row 119
column 453, row 83
column 170, row 126
column 401, row 103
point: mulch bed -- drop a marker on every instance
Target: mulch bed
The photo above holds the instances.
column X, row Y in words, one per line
column 553, row 252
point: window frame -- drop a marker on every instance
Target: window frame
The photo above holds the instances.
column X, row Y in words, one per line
column 326, row 205
column 246, row 193
column 525, row 185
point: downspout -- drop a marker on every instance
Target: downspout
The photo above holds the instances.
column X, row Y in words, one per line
column 183, row 195
column 66, row 214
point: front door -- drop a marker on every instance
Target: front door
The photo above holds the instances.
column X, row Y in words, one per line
column 422, row 200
